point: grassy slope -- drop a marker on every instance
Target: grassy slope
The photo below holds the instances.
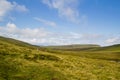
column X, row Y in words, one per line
column 23, row 63
column 16, row 42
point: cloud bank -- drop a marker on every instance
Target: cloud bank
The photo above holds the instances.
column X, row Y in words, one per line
column 113, row 40
column 40, row 36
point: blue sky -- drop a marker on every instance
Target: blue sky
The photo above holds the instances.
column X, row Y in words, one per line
column 61, row 22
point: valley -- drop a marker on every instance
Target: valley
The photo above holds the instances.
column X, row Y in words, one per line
column 23, row 61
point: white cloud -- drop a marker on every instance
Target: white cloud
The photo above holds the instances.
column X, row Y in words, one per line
column 6, row 7
column 12, row 29
column 11, row 25
column 38, row 35
column 67, row 9
column 20, row 8
column 113, row 40
column 46, row 22
column 41, row 36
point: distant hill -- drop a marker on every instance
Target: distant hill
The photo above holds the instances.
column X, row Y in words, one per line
column 86, row 47
column 115, row 47
column 74, row 47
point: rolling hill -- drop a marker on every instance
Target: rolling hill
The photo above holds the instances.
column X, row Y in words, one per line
column 74, row 47
column 23, row 61
column 86, row 47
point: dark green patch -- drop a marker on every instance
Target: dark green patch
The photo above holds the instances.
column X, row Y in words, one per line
column 41, row 57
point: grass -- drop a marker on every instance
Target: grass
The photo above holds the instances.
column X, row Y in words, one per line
column 18, row 62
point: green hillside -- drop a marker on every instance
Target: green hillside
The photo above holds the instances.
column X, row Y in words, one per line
column 16, row 42
column 23, row 61
column 113, row 48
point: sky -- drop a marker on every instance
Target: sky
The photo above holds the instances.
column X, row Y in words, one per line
column 61, row 22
